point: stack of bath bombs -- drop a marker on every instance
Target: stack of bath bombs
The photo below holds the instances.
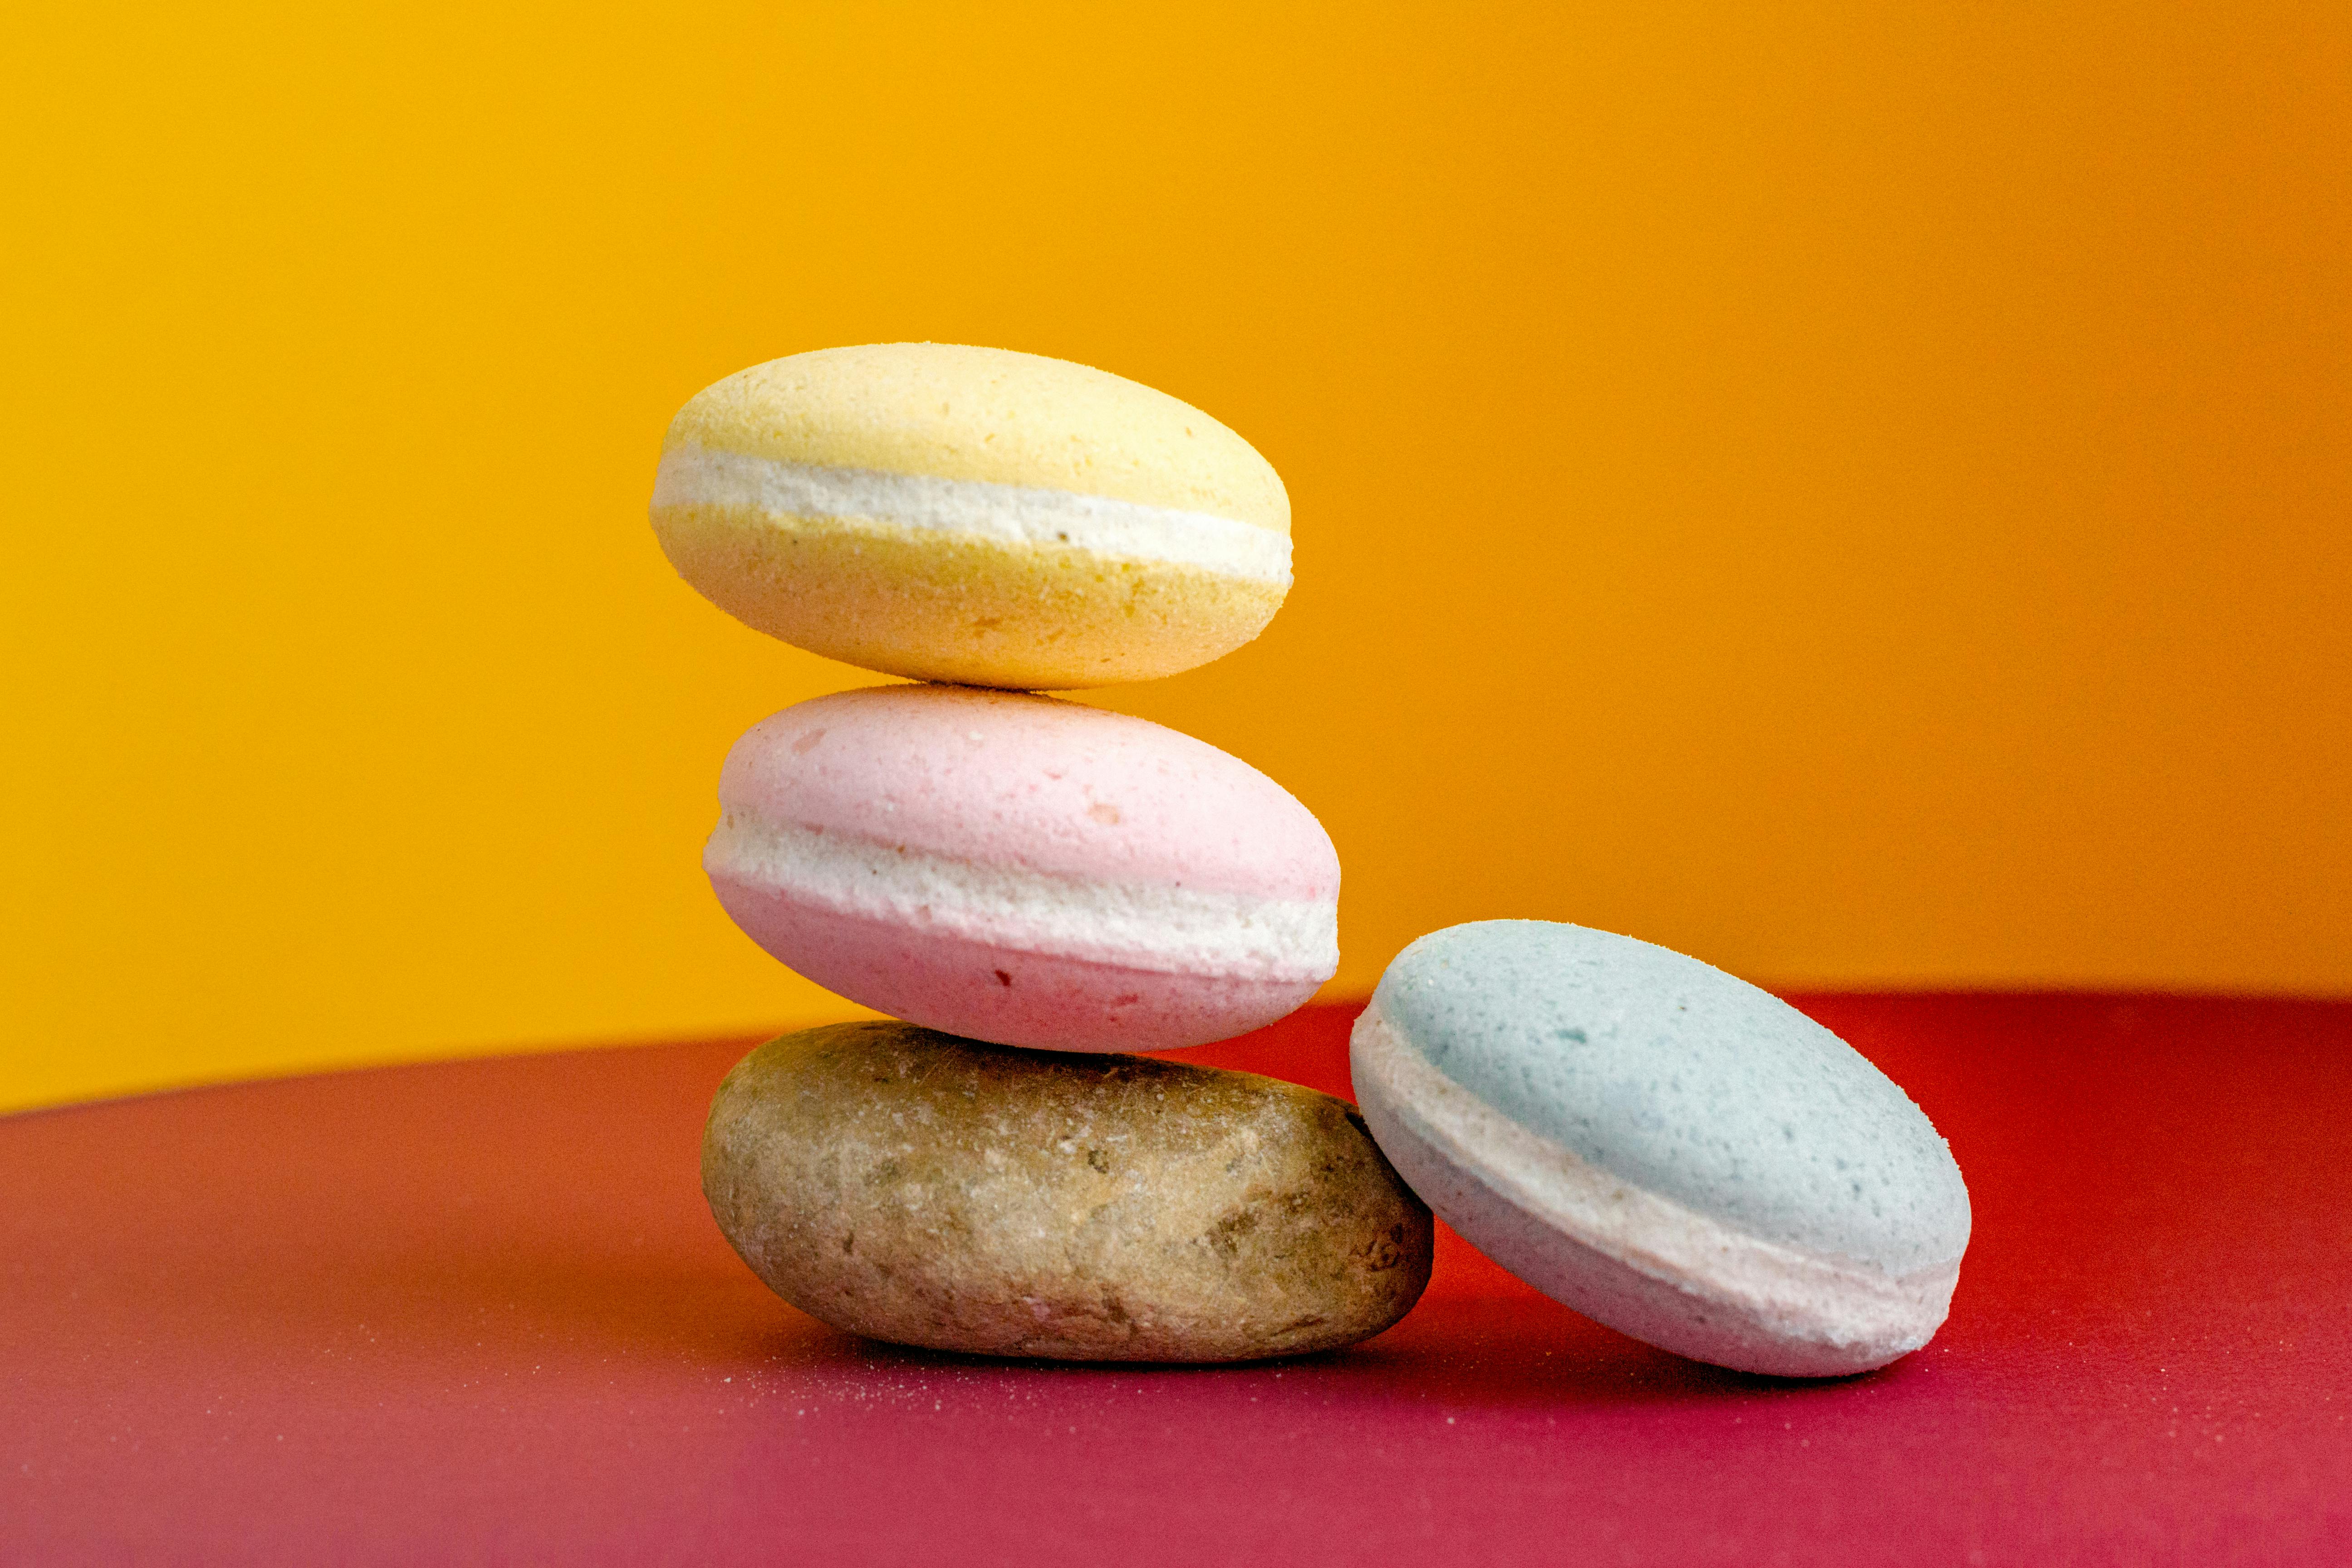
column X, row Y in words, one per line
column 1030, row 889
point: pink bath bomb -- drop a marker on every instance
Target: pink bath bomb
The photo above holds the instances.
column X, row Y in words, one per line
column 1024, row 870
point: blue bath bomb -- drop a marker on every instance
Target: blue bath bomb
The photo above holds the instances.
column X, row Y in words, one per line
column 1662, row 1146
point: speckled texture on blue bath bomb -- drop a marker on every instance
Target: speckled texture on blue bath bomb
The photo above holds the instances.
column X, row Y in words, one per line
column 1683, row 1080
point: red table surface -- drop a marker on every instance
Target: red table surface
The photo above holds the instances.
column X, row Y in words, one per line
column 478, row 1314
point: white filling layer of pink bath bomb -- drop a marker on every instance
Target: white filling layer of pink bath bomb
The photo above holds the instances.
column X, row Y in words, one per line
column 1146, row 926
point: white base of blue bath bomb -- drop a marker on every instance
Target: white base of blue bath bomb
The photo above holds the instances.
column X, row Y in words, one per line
column 1640, row 1263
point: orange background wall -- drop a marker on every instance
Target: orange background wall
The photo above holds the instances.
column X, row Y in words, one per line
column 1856, row 492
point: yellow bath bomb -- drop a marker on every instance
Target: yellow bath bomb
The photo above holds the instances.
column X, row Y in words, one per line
column 972, row 515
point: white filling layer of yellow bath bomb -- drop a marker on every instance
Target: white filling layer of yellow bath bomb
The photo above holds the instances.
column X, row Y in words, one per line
column 1009, row 514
